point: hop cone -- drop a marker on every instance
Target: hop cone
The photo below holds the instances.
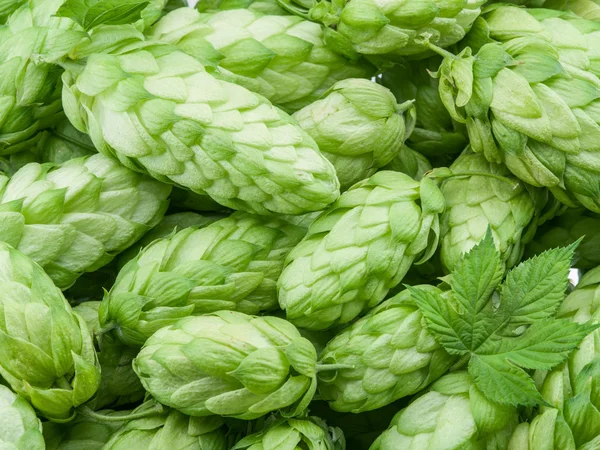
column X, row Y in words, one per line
column 359, row 248
column 358, row 126
column 21, row 429
column 270, row 7
column 276, row 433
column 232, row 264
column 410, row 162
column 390, row 30
column 547, row 135
column 229, row 364
column 546, row 431
column 283, row 58
column 169, row 429
column 182, row 125
column 32, row 39
column 452, row 415
column 74, row 218
column 390, row 353
column 586, row 9
column 566, row 229
column 436, row 135
column 83, row 433
column 475, row 203
column 119, row 385
column 46, row 352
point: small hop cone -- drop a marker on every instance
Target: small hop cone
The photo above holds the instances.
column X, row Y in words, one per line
column 20, row 426
column 546, row 431
column 229, row 364
column 359, row 248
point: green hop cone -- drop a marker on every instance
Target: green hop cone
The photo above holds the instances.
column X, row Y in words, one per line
column 83, row 433
column 546, row 431
column 389, row 30
column 232, row 264
column 488, row 196
column 76, row 217
column 388, row 354
column 119, row 385
column 30, row 42
column 547, row 134
column 270, row 7
column 283, row 58
column 566, row 229
column 46, row 351
column 358, row 126
column 21, row 429
column 169, row 429
column 277, row 433
column 436, row 135
column 410, row 162
column 359, row 248
column 182, row 125
column 229, row 364
column 453, row 414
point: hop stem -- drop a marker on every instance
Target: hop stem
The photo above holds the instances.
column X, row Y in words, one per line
column 85, row 411
column 326, row 367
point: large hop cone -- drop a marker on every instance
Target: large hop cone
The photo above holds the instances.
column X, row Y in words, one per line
column 159, row 111
column 283, row 58
column 359, row 248
column 76, row 217
column 388, row 354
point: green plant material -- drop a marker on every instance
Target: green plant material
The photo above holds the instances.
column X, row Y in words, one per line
column 529, row 101
column 505, row 328
column 190, row 201
column 46, row 352
column 270, row 7
column 410, row 162
column 388, row 31
column 32, row 40
column 169, row 429
column 91, row 285
column 436, row 135
column 283, row 58
column 7, row 7
column 21, row 429
column 359, row 248
column 547, row 430
column 277, row 433
column 387, row 355
column 487, row 196
column 453, row 414
column 229, row 364
column 83, row 433
column 586, row 9
column 232, row 264
column 173, row 5
column 358, row 126
column 208, row 135
column 566, row 229
column 119, row 385
column 76, row 217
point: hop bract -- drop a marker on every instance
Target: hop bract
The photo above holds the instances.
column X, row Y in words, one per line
column 20, row 426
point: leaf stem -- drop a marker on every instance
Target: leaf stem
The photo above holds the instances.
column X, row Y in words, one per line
column 326, row 367
column 86, row 411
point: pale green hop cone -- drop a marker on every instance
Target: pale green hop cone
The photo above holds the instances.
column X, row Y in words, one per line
column 547, row 431
column 283, row 58
column 46, row 351
column 452, row 415
column 359, row 248
column 232, row 264
column 436, row 135
column 480, row 200
column 183, row 126
column 229, row 364
column 76, row 217
column 21, row 429
column 388, row 354
column 358, row 126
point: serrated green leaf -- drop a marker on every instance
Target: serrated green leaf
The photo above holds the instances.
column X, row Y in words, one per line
column 503, row 383
column 91, row 13
column 534, row 289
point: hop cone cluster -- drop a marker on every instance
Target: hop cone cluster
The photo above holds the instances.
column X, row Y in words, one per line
column 229, row 364
column 46, row 352
column 452, row 414
column 158, row 110
column 389, row 354
column 76, row 217
column 20, row 426
column 478, row 201
column 358, row 126
column 283, row 58
column 232, row 264
column 359, row 248
column 547, row 135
